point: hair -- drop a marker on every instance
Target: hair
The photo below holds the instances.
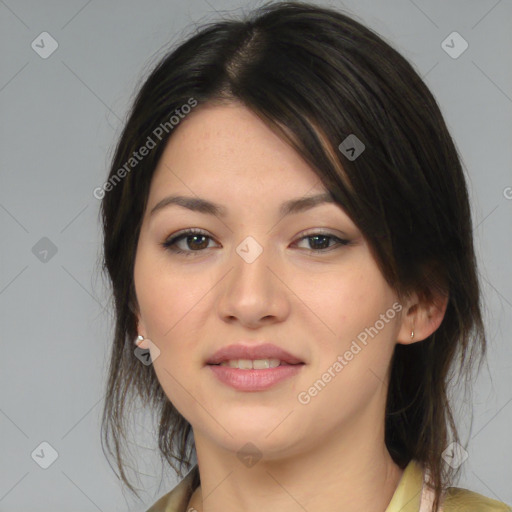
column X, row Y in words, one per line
column 315, row 76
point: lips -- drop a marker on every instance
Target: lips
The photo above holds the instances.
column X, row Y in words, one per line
column 253, row 352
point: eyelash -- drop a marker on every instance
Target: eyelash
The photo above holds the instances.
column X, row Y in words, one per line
column 170, row 243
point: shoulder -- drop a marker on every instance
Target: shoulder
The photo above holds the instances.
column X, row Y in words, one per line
column 464, row 500
column 160, row 505
column 177, row 499
column 454, row 499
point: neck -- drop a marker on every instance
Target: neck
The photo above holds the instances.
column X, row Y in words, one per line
column 349, row 471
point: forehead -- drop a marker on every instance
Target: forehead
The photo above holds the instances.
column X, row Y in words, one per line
column 229, row 150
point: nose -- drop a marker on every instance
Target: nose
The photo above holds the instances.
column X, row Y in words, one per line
column 253, row 293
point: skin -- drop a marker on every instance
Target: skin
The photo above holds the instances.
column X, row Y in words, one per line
column 329, row 454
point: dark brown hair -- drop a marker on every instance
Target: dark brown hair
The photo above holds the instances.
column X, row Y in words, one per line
column 316, row 76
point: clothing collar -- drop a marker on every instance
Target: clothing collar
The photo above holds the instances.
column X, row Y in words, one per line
column 406, row 498
column 408, row 494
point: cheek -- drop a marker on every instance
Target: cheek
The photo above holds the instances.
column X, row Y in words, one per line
column 167, row 298
column 170, row 305
column 345, row 300
column 174, row 308
column 347, row 323
column 349, row 367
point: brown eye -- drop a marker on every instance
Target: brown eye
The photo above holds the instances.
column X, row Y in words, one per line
column 321, row 242
column 195, row 242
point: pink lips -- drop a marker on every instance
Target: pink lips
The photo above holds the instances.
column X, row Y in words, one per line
column 263, row 351
column 254, row 380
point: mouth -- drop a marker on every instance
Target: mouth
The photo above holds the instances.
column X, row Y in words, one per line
column 251, row 356
column 254, row 364
column 254, row 375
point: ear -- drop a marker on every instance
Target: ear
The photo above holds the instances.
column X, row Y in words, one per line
column 421, row 317
column 141, row 329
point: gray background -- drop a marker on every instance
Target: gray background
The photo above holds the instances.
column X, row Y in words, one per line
column 60, row 117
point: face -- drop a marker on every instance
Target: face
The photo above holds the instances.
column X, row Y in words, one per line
column 305, row 282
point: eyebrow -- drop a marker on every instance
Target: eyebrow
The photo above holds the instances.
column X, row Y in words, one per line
column 198, row 204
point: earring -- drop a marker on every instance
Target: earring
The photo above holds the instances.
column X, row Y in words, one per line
column 412, row 334
column 139, row 339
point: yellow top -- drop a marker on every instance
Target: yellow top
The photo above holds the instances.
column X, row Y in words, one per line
column 410, row 496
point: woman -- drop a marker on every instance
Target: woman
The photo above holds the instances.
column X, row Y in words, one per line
column 289, row 241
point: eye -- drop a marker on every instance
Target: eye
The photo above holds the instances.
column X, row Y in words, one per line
column 320, row 242
column 193, row 238
column 196, row 241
